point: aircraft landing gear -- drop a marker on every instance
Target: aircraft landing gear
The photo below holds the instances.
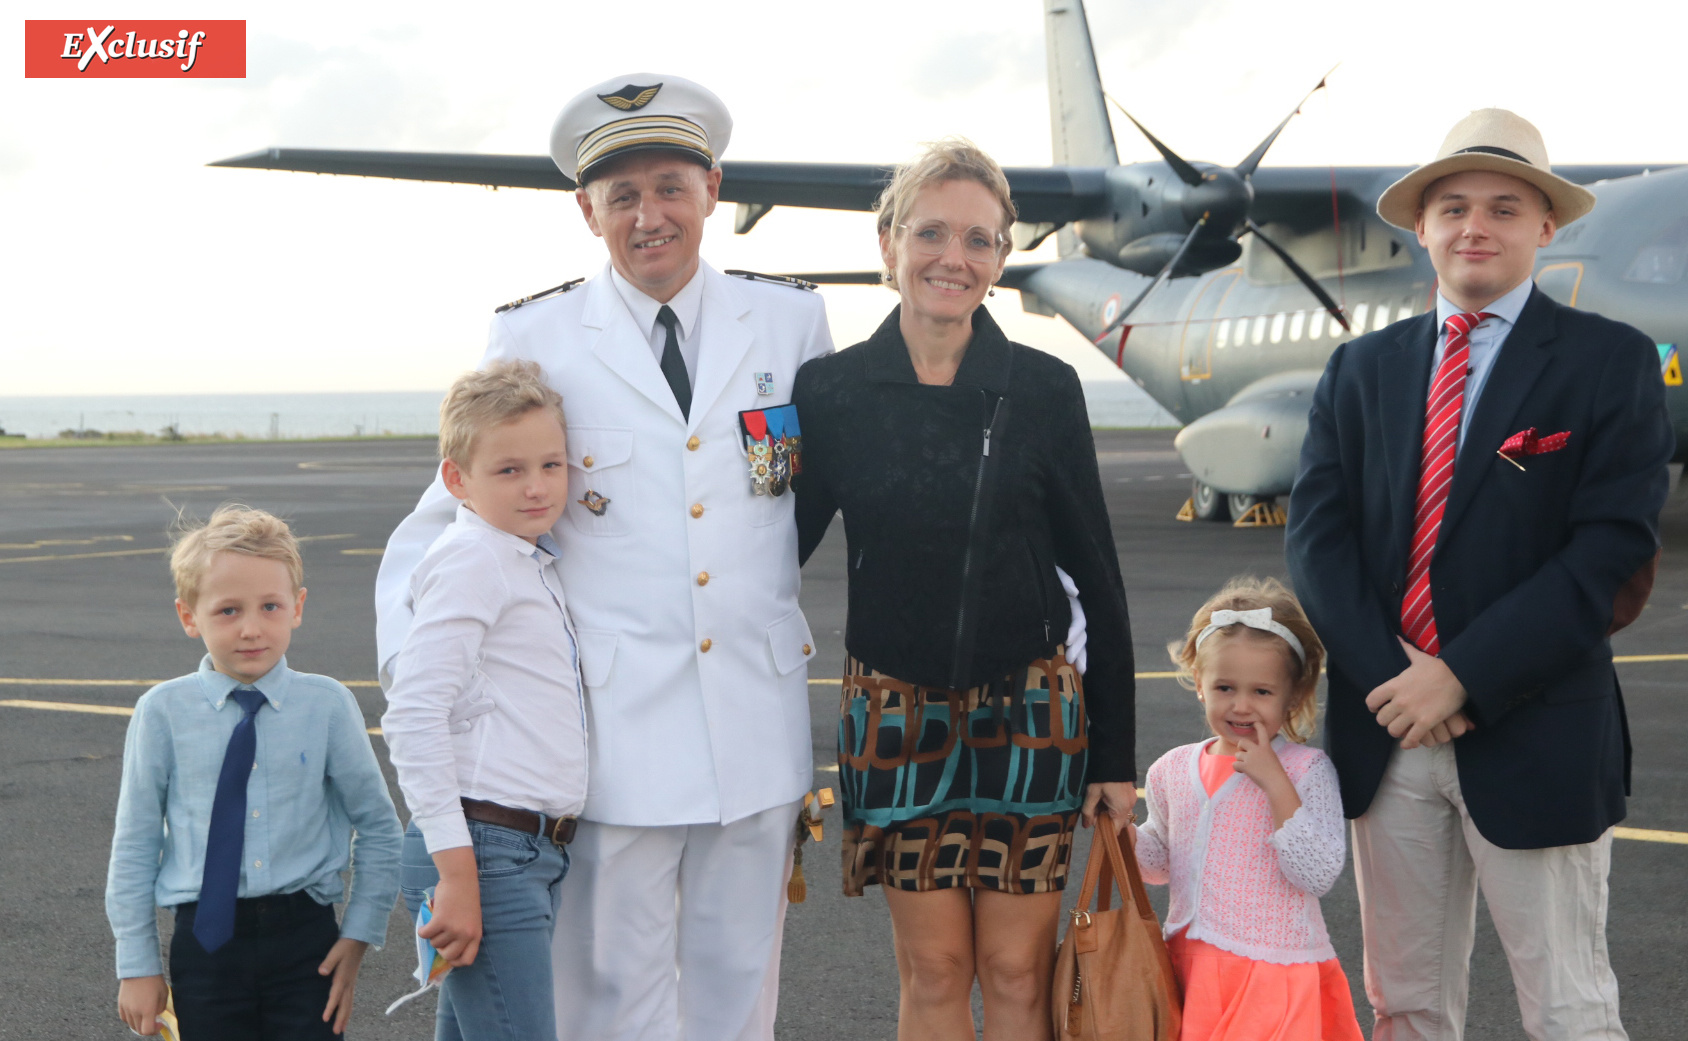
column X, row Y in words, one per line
column 1208, row 503
column 1251, row 511
column 1241, row 504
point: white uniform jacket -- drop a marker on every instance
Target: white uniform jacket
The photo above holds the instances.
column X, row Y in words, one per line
column 684, row 589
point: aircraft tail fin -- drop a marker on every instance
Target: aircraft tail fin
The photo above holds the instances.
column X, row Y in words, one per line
column 1078, row 114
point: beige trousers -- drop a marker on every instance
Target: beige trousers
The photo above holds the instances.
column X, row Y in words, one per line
column 1419, row 862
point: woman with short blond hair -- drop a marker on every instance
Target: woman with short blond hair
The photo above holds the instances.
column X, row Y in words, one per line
column 973, row 737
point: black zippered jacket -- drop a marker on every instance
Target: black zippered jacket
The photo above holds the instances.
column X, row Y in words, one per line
column 958, row 504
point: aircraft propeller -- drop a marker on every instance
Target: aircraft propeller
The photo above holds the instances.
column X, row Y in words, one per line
column 1225, row 196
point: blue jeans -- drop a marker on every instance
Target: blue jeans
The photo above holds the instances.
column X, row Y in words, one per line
column 506, row 994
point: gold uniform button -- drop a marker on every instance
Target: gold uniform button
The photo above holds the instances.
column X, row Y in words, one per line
column 587, row 462
column 692, row 443
column 705, row 645
column 807, row 649
column 697, row 509
column 703, row 578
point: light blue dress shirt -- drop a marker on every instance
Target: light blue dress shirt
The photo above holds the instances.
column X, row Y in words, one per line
column 315, row 785
column 1486, row 341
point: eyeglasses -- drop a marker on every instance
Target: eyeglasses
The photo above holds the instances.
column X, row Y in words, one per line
column 932, row 237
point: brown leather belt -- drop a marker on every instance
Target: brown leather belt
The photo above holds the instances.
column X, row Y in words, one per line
column 560, row 830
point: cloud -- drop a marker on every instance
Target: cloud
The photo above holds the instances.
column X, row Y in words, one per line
column 361, row 96
column 14, row 159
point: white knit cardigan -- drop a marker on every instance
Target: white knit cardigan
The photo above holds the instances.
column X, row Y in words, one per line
column 1237, row 883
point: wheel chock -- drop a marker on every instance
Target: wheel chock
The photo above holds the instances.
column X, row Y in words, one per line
column 1262, row 515
column 1187, row 512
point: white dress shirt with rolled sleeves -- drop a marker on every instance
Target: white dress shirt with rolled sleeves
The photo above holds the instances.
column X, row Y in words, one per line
column 486, row 701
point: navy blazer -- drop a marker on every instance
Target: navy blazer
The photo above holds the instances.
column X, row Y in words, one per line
column 1525, row 567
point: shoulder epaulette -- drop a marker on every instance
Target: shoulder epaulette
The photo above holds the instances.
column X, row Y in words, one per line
column 554, row 290
column 783, row 280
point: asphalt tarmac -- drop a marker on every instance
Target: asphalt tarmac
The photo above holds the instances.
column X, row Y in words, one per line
column 86, row 619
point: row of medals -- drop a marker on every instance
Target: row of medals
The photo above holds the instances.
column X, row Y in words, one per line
column 771, row 463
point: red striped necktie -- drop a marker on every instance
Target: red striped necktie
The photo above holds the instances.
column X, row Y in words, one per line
column 1435, row 477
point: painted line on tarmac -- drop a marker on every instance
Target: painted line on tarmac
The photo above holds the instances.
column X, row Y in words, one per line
column 139, row 552
column 92, row 710
column 1676, row 838
column 42, row 682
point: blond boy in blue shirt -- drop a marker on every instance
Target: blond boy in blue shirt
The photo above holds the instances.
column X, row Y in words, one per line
column 244, row 785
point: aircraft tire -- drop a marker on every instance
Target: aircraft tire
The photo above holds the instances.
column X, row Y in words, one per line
column 1241, row 504
column 1208, row 503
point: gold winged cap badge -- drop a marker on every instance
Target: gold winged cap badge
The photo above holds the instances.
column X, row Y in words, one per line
column 630, row 97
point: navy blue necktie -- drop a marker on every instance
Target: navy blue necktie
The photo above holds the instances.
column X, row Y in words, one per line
column 213, row 922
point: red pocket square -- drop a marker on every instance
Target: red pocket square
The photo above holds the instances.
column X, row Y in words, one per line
column 1525, row 442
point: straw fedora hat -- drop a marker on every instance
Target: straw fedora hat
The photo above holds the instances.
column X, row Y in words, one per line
column 1488, row 139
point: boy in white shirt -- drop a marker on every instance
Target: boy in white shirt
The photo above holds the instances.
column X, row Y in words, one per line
column 485, row 715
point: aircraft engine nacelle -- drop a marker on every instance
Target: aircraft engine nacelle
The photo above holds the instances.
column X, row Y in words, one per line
column 1253, row 444
column 1150, row 211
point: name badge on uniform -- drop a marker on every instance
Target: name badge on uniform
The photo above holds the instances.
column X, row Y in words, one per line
column 773, row 445
column 764, row 383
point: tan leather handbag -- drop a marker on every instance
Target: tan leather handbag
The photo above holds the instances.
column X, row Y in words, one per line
column 1113, row 977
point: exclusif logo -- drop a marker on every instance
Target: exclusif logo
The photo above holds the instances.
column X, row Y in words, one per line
column 100, row 49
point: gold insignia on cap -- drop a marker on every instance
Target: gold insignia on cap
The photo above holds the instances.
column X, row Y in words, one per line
column 630, row 97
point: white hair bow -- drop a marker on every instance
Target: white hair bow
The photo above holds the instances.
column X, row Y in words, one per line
column 1259, row 618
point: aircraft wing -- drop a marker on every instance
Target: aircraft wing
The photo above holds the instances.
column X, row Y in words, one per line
column 1301, row 195
column 1043, row 193
column 1012, row 277
column 1050, row 195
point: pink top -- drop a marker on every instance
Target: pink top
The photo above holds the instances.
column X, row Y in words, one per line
column 1237, row 883
column 1216, row 770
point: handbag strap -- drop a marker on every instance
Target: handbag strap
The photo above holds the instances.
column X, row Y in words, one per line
column 1104, row 865
column 1121, row 869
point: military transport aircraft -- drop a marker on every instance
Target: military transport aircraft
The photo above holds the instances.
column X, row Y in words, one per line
column 1220, row 290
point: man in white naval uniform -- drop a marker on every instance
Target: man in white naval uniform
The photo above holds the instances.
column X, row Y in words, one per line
column 682, row 582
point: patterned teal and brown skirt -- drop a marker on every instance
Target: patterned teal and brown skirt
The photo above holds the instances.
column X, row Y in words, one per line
column 945, row 789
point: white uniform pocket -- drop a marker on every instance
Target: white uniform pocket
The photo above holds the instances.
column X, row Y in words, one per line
column 791, row 643
column 597, row 654
column 601, row 485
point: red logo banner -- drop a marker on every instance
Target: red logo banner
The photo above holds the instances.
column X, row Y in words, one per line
column 100, row 49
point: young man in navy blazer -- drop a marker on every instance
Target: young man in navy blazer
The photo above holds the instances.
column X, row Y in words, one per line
column 1475, row 489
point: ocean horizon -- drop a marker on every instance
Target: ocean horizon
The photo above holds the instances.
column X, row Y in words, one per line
column 1111, row 403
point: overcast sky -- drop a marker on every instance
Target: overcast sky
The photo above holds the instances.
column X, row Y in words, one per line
column 130, row 267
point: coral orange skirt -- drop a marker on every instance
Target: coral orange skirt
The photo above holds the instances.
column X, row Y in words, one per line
column 1231, row 998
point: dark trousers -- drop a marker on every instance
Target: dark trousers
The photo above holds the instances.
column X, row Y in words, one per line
column 263, row 984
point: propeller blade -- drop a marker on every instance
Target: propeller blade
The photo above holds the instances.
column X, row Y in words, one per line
column 1246, row 168
column 1301, row 273
column 1165, row 273
column 1186, row 173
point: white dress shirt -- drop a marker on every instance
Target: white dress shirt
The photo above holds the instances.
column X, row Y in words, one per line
column 486, row 698
column 1486, row 341
column 686, row 305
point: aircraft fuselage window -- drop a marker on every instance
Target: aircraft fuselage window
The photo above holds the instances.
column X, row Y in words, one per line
column 1660, row 265
column 1358, row 323
column 1278, row 327
column 1223, row 336
column 1382, row 318
column 1259, row 330
column 1296, row 323
column 1316, row 326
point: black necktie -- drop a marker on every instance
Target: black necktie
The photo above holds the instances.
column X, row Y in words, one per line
column 674, row 366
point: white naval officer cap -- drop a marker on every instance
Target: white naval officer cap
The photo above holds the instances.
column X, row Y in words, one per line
column 638, row 112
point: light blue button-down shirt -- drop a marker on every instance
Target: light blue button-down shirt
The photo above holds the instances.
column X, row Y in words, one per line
column 1486, row 341
column 315, row 784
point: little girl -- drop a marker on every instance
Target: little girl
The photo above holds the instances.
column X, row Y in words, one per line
column 1247, row 826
